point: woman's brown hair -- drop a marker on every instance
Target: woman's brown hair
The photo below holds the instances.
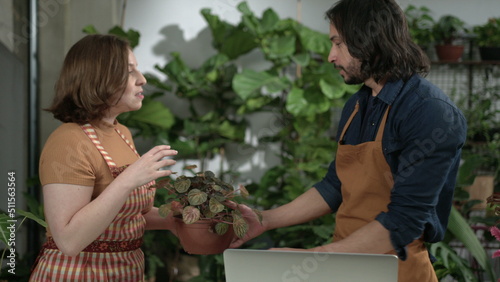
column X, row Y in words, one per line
column 94, row 70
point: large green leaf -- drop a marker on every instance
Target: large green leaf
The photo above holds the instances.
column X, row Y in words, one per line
column 249, row 82
column 302, row 59
column 296, row 103
column 314, row 41
column 306, row 102
column 131, row 35
column 280, row 46
column 231, row 131
column 4, row 232
column 230, row 40
column 269, row 21
column 32, row 217
column 156, row 82
column 332, row 91
column 154, row 113
column 450, row 263
column 463, row 232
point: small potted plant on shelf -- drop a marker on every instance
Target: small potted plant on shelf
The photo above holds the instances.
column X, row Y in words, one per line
column 420, row 23
column 447, row 30
column 488, row 39
column 205, row 222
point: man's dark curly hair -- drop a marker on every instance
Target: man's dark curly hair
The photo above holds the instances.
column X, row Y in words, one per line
column 376, row 33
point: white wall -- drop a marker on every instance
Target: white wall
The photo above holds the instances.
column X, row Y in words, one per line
column 6, row 24
column 177, row 25
column 60, row 26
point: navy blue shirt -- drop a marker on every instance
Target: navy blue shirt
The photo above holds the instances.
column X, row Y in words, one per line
column 422, row 143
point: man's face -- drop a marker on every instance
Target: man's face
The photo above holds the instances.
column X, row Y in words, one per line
column 350, row 68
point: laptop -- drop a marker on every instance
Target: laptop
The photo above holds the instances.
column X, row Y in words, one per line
column 242, row 265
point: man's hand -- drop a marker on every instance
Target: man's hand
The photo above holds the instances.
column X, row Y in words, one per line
column 255, row 226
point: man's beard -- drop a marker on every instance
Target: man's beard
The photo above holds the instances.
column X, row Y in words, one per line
column 353, row 74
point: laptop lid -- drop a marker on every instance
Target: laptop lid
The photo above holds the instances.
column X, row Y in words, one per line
column 243, row 265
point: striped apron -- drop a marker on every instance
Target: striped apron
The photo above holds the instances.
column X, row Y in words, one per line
column 115, row 255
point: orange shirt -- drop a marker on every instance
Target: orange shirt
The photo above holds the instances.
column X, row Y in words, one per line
column 69, row 156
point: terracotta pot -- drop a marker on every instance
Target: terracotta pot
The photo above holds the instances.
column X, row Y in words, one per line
column 489, row 53
column 481, row 189
column 198, row 239
column 451, row 53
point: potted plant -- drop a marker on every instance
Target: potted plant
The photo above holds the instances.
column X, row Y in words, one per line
column 446, row 31
column 205, row 222
column 488, row 39
column 420, row 24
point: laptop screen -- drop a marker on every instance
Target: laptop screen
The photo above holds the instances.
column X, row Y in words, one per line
column 243, row 265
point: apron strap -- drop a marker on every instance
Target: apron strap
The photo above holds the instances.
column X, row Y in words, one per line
column 380, row 132
column 348, row 123
column 90, row 131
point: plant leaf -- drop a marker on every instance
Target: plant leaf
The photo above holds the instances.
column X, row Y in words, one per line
column 32, row 217
column 332, row 91
column 249, row 82
column 165, row 209
column 90, row 29
column 215, row 206
column 243, row 191
column 154, row 113
column 197, row 197
column 4, row 232
column 259, row 215
column 463, row 232
column 207, row 213
column 181, row 185
column 221, row 228
column 451, row 261
column 240, row 226
column 190, row 214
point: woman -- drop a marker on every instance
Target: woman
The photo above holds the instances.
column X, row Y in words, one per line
column 98, row 193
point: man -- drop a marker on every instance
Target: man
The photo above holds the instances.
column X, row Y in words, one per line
column 391, row 184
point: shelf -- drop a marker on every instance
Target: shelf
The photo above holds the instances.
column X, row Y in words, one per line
column 465, row 63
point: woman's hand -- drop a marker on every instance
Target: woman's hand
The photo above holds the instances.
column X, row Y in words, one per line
column 148, row 167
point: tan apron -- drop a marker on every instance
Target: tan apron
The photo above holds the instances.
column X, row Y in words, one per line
column 366, row 189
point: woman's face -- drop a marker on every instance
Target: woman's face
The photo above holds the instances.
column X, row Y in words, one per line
column 131, row 98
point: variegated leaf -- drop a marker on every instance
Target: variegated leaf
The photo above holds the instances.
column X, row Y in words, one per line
column 197, row 197
column 240, row 226
column 209, row 174
column 182, row 185
column 215, row 206
column 243, row 191
column 221, row 228
column 190, row 214
column 207, row 213
column 219, row 196
column 165, row 209
column 259, row 215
